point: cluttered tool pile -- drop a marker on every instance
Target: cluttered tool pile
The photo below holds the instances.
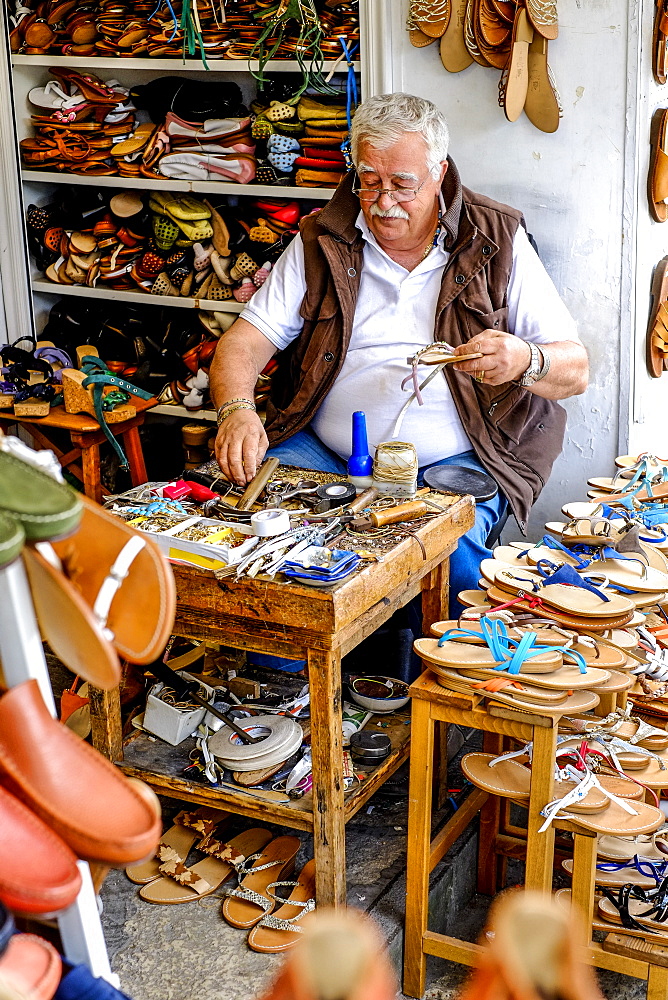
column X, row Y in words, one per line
column 309, row 527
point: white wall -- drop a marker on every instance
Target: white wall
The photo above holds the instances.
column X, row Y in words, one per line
column 570, row 186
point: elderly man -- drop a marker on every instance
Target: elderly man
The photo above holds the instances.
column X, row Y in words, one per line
column 402, row 256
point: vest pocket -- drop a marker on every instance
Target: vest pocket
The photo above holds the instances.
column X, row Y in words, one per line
column 478, row 320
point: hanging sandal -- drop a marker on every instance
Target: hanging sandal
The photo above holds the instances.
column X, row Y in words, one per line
column 247, row 904
column 281, row 930
column 180, row 884
column 180, row 837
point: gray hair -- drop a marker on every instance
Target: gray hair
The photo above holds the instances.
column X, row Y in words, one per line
column 384, row 119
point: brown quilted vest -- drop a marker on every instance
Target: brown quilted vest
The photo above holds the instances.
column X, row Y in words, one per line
column 515, row 434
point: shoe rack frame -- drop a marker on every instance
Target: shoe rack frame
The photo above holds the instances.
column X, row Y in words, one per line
column 22, row 658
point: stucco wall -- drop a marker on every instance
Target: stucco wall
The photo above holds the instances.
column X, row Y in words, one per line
column 570, row 185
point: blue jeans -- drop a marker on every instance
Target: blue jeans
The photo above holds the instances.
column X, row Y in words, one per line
column 306, row 450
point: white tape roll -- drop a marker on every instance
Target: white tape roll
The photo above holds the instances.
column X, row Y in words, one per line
column 270, row 522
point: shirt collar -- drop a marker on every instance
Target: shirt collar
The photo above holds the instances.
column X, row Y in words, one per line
column 367, row 235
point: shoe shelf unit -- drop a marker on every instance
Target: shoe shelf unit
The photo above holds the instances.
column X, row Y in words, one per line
column 171, row 65
column 191, row 187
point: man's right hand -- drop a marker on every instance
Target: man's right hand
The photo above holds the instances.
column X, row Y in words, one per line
column 241, row 444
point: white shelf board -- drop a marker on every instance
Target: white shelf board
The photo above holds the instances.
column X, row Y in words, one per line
column 140, row 298
column 154, row 184
column 168, row 410
column 176, row 65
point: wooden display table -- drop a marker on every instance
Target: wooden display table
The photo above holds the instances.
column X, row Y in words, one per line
column 301, row 622
column 86, row 436
column 432, row 705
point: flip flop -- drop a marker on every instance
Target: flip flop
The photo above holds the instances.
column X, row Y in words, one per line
column 510, row 779
column 566, row 678
column 180, row 884
column 624, row 849
column 459, row 654
column 533, row 603
column 571, row 599
column 524, row 697
column 545, row 632
column 248, row 903
column 280, row 930
column 638, row 910
column 187, row 827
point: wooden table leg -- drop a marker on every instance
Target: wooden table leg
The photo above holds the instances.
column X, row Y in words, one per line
column 329, row 828
column 491, row 867
column 105, row 718
column 540, row 846
column 584, row 880
column 90, row 461
column 419, row 842
column 135, row 455
column 435, row 600
column 657, row 983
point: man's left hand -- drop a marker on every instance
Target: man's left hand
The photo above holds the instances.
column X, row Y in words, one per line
column 506, row 357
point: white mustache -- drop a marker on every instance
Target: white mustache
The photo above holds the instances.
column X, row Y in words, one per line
column 395, row 212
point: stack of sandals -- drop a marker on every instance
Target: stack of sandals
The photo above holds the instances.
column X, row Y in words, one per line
column 554, row 627
column 263, row 900
column 507, row 35
column 132, row 29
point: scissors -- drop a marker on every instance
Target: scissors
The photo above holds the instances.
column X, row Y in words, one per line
column 281, row 490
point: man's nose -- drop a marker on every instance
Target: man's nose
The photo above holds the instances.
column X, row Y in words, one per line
column 385, row 201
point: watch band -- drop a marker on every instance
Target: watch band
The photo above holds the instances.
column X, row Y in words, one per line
column 532, row 372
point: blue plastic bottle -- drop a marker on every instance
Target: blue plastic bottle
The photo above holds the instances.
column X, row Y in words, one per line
column 360, row 463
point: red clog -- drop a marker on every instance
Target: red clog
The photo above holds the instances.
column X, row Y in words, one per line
column 38, row 871
column 99, row 813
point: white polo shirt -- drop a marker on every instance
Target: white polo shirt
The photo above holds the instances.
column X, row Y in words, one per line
column 394, row 318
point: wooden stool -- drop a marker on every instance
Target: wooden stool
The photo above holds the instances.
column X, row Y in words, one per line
column 86, row 436
column 434, row 705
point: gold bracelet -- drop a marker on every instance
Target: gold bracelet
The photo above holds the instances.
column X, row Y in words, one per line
column 228, row 412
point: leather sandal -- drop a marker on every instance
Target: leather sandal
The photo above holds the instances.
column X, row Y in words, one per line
column 281, row 930
column 186, row 829
column 657, row 179
column 248, row 903
column 180, row 884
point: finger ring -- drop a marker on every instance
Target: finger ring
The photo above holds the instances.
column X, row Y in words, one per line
column 480, row 377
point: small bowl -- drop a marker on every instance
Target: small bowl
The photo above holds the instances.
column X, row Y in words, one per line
column 374, row 700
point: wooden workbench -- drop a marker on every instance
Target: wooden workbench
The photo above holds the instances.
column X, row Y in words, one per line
column 301, row 622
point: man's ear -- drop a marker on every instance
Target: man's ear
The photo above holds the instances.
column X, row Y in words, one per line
column 444, row 170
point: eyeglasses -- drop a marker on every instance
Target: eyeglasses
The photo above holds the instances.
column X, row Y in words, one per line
column 397, row 194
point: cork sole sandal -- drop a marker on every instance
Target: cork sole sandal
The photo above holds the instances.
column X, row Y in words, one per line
column 248, row 903
column 280, row 930
column 180, row 884
column 180, row 837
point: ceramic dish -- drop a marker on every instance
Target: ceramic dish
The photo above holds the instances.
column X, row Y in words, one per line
column 369, row 692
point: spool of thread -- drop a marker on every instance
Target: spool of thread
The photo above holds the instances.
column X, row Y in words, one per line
column 360, row 463
column 270, row 522
column 395, row 468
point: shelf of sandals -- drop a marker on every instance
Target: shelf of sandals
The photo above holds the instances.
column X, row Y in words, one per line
column 510, row 36
column 180, row 31
column 576, row 626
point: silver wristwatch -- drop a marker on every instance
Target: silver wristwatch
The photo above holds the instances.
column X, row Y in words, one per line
column 539, row 366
